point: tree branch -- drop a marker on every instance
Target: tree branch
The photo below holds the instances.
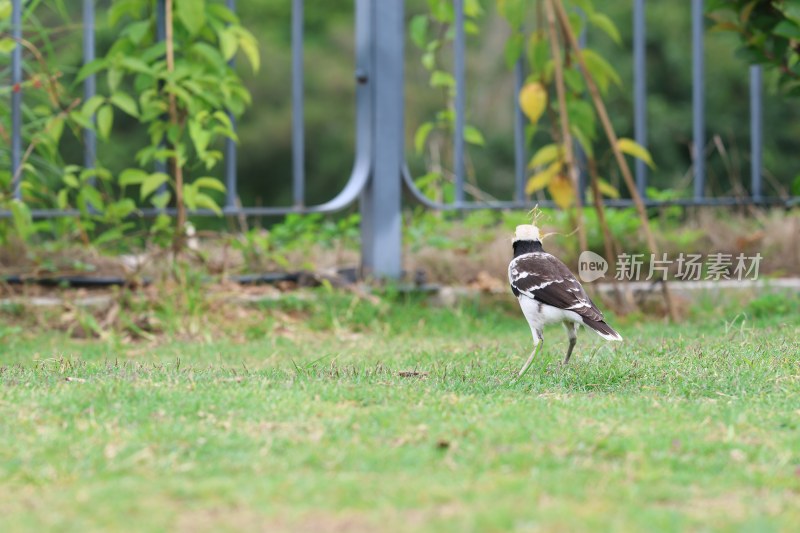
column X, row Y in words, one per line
column 613, row 140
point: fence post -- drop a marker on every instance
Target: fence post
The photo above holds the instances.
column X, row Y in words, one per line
column 231, row 192
column 89, row 84
column 16, row 98
column 640, row 91
column 698, row 100
column 756, row 133
column 298, row 131
column 161, row 35
column 381, row 221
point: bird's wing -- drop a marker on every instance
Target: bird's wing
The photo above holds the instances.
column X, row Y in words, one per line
column 544, row 278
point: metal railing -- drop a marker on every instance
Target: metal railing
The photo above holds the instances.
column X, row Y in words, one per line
column 700, row 197
column 379, row 169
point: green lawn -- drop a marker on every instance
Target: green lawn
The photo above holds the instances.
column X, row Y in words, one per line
column 298, row 419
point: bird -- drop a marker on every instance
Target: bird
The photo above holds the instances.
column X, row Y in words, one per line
column 549, row 293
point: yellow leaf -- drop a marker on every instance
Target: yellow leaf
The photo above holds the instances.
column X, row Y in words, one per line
column 631, row 147
column 606, row 189
column 532, row 100
column 562, row 192
column 545, row 155
column 542, row 179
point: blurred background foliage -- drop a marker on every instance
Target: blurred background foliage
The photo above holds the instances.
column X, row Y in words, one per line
column 265, row 130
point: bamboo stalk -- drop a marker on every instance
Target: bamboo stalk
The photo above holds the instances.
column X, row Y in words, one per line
column 566, row 136
column 613, row 140
column 609, row 244
column 177, row 168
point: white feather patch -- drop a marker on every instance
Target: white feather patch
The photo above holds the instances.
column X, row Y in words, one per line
column 526, row 232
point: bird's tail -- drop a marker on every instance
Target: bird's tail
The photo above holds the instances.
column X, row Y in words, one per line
column 603, row 329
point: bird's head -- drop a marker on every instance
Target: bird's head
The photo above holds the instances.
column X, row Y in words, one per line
column 526, row 239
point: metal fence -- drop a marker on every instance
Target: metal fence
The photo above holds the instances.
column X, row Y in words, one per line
column 379, row 170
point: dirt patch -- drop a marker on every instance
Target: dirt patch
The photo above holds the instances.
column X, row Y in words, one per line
column 241, row 519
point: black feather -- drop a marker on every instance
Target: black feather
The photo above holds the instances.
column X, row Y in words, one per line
column 546, row 279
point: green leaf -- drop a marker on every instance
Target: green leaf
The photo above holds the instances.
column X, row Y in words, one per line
column 632, row 148
column 426, row 180
column 587, row 6
column 200, row 136
column 418, row 30
column 788, row 29
column 137, row 31
column 192, row 14
column 545, row 155
column 71, row 181
column 428, row 60
column 124, row 102
column 92, row 67
column 190, row 195
column 538, row 53
column 440, row 78
column 583, row 140
column 796, row 186
column 228, row 42
column 581, row 115
column 204, row 201
column 91, row 197
column 91, row 105
column 249, row 47
column 472, row 8
column 576, row 22
column 212, row 56
column 421, row 136
column 132, row 176
column 161, row 200
column 105, row 119
column 210, row 183
column 119, row 8
column 120, row 209
column 62, row 199
column 473, row 136
column 21, row 216
column 55, row 127
column 513, row 50
column 606, row 189
column 442, row 10
column 223, row 119
column 114, row 78
column 136, row 65
column 513, row 11
column 151, row 183
column 5, row 9
column 601, row 21
column 7, row 45
column 600, row 69
column 574, row 80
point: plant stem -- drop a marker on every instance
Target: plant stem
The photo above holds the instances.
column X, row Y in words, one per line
column 602, row 113
column 177, row 168
column 63, row 114
column 609, row 245
column 566, row 137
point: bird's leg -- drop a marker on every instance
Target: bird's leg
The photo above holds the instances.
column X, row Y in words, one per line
column 572, row 333
column 537, row 345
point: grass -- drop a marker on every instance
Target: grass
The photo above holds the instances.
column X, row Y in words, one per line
column 348, row 414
